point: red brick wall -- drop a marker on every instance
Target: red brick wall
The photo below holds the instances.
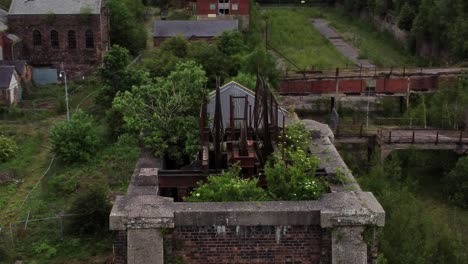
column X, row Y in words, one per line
column 120, row 247
column 203, row 7
column 81, row 60
column 256, row 244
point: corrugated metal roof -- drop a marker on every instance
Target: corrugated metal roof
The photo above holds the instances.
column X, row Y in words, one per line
column 6, row 72
column 189, row 28
column 59, row 7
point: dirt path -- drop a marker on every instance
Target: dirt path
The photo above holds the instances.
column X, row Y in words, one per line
column 346, row 49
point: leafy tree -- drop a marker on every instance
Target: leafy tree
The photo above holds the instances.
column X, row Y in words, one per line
column 213, row 61
column 262, row 62
column 230, row 43
column 409, row 226
column 166, row 111
column 92, row 209
column 159, row 63
column 406, row 17
column 294, row 178
column 126, row 24
column 76, row 140
column 8, row 148
column 456, row 183
column 177, row 46
column 117, row 76
column 228, row 187
column 245, row 79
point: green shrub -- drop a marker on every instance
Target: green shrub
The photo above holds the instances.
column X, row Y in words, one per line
column 92, row 210
column 64, row 183
column 228, row 187
column 297, row 136
column 8, row 148
column 456, row 183
column 294, row 177
column 77, row 140
column 44, row 249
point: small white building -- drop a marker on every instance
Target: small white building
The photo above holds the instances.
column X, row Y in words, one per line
column 240, row 94
column 10, row 85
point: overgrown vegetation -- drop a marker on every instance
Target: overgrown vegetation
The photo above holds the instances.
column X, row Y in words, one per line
column 127, row 24
column 381, row 48
column 8, row 148
column 446, row 108
column 165, row 112
column 291, row 33
column 289, row 179
column 419, row 217
column 76, row 140
column 442, row 24
column 290, row 175
column 228, row 187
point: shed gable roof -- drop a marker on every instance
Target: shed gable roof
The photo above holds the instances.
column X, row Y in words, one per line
column 196, row 28
column 58, row 7
column 6, row 73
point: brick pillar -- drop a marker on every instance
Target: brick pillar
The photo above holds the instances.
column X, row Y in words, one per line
column 348, row 245
column 145, row 246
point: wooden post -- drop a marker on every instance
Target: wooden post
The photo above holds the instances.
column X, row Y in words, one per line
column 389, row 137
column 412, row 139
column 437, row 138
column 337, row 88
column 461, row 137
column 360, row 131
column 284, row 137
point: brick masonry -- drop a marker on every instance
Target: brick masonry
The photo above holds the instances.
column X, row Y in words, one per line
column 120, row 247
column 78, row 61
column 248, row 244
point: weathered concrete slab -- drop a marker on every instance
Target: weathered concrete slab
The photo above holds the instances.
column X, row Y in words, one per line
column 142, row 212
column 145, row 246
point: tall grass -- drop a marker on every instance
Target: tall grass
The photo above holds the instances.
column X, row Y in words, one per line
column 381, row 48
column 291, row 32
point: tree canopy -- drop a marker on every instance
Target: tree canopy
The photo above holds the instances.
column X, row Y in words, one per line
column 165, row 111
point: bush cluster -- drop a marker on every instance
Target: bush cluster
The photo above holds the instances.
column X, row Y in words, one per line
column 76, row 140
column 8, row 148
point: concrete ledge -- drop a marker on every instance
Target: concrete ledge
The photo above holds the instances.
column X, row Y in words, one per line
column 332, row 210
column 248, row 213
column 142, row 212
column 351, row 209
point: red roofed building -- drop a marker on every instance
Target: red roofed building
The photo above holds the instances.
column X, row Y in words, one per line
column 224, row 9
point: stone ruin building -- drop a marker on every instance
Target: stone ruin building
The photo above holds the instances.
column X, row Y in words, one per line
column 153, row 225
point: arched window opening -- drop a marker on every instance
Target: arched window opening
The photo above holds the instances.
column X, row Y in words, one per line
column 37, row 39
column 54, row 39
column 71, row 39
column 89, row 39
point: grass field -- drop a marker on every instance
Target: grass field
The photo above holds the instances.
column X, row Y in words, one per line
column 44, row 241
column 292, row 34
column 380, row 48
